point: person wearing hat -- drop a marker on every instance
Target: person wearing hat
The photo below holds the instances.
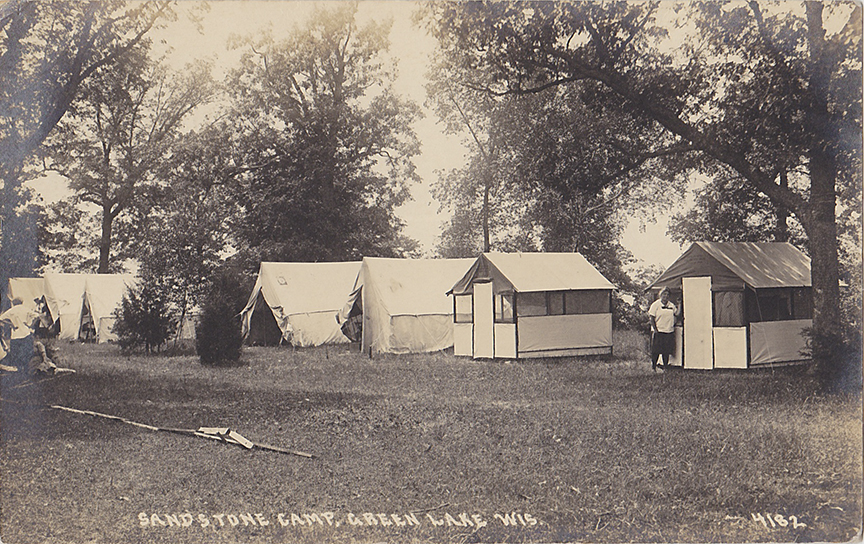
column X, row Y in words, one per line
column 662, row 315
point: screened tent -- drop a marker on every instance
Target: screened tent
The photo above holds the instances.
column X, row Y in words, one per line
column 298, row 303
column 401, row 305
column 745, row 304
column 515, row 305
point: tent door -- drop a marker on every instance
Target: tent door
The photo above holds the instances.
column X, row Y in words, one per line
column 484, row 321
column 698, row 323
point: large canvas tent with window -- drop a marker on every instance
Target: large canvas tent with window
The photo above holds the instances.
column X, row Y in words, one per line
column 515, row 305
column 745, row 304
column 297, row 303
column 401, row 305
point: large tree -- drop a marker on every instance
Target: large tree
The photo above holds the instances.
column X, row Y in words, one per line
column 116, row 135
column 552, row 171
column 186, row 233
column 728, row 209
column 759, row 90
column 48, row 49
column 325, row 145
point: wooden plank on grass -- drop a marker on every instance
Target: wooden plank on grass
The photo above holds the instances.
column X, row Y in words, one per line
column 214, row 433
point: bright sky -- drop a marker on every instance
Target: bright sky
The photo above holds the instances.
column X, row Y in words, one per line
column 412, row 47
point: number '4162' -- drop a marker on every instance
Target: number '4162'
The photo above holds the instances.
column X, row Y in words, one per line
column 772, row 521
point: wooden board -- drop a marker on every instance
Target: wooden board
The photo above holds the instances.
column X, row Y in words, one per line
column 484, row 321
column 462, row 338
column 730, row 347
column 698, row 325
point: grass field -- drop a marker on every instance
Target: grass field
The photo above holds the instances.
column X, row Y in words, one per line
column 426, row 448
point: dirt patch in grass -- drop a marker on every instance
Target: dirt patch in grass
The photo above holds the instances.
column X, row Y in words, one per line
column 557, row 450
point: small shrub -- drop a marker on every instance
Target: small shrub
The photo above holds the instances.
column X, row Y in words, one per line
column 144, row 319
column 628, row 312
column 218, row 336
column 838, row 360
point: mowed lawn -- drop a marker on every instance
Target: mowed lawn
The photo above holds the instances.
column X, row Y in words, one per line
column 426, row 448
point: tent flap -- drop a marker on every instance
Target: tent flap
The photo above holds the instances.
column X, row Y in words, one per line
column 104, row 294
column 778, row 341
column 421, row 333
column 315, row 329
column 64, row 294
column 405, row 303
column 556, row 332
column 304, row 298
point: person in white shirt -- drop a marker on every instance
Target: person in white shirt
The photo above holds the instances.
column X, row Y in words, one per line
column 17, row 325
column 662, row 314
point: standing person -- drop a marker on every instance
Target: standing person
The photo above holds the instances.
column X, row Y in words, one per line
column 20, row 321
column 662, row 314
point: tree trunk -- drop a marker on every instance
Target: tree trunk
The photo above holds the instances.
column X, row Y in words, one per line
column 105, row 242
column 182, row 318
column 821, row 221
column 781, row 229
column 486, row 244
column 821, row 227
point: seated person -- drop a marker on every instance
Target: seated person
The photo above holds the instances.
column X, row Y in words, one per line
column 41, row 363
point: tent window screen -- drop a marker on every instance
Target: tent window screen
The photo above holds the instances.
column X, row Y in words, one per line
column 464, row 310
column 556, row 303
column 504, row 308
column 532, row 304
column 778, row 305
column 802, row 303
column 729, row 309
column 587, row 302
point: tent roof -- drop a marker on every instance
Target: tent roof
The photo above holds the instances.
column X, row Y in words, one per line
column 526, row 272
column 65, row 292
column 299, row 288
column 412, row 286
column 105, row 292
column 731, row 265
column 27, row 289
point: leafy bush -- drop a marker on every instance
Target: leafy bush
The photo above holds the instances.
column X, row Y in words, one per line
column 840, row 371
column 144, row 318
column 628, row 312
column 218, row 336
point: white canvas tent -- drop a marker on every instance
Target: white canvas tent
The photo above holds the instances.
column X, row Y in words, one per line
column 26, row 289
column 745, row 304
column 404, row 305
column 103, row 293
column 76, row 299
column 64, row 294
column 515, row 305
column 298, row 303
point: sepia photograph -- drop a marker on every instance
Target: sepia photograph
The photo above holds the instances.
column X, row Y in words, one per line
column 398, row 271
